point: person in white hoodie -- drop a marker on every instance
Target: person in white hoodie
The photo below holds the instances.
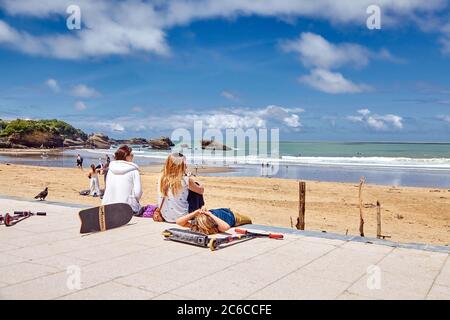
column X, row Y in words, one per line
column 123, row 183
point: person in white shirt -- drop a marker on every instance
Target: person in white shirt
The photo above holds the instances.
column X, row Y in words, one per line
column 94, row 187
column 173, row 188
column 123, row 183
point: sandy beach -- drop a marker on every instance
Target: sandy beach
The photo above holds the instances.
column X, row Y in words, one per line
column 409, row 214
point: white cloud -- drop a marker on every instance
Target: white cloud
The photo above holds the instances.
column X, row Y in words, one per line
column 271, row 116
column 127, row 27
column 332, row 82
column 445, row 118
column 53, row 85
column 7, row 34
column 137, row 109
column 444, row 40
column 343, row 11
column 377, row 122
column 80, row 105
column 230, row 96
column 364, row 112
column 108, row 28
column 292, row 121
column 322, row 56
column 114, row 126
column 83, row 91
column 315, row 51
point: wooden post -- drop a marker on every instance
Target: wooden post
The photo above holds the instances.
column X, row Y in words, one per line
column 301, row 207
column 361, row 217
column 379, row 236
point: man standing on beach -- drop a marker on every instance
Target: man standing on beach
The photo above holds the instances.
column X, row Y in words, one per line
column 106, row 168
column 79, row 162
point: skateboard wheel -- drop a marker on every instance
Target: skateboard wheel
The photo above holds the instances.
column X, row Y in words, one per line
column 212, row 244
column 8, row 220
column 167, row 234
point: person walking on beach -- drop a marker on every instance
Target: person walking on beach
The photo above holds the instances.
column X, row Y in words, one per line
column 176, row 189
column 79, row 162
column 100, row 164
column 106, row 168
column 123, row 183
column 94, row 182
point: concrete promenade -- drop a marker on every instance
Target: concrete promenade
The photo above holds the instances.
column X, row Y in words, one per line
column 44, row 257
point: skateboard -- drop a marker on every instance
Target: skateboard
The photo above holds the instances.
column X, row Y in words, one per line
column 259, row 235
column 11, row 220
column 187, row 236
column 241, row 235
column 202, row 240
column 105, row 217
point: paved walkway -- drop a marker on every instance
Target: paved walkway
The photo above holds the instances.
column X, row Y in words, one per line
column 41, row 258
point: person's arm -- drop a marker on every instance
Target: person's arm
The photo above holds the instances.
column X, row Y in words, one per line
column 137, row 189
column 184, row 221
column 195, row 186
column 222, row 225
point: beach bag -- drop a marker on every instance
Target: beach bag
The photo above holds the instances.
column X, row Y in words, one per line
column 157, row 215
column 149, row 211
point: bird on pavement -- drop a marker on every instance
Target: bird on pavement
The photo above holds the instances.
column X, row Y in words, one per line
column 42, row 195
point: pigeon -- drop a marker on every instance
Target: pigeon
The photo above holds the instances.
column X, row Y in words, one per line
column 42, row 195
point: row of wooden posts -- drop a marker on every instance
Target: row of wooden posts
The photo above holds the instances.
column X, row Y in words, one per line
column 300, row 225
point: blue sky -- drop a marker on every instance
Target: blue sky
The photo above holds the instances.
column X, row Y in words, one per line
column 311, row 68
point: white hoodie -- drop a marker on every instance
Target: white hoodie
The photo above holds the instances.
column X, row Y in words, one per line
column 123, row 184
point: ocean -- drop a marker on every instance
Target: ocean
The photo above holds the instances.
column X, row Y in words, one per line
column 388, row 163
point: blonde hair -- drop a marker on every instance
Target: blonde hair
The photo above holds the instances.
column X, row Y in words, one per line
column 172, row 174
column 204, row 224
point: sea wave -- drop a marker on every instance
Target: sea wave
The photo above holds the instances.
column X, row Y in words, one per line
column 219, row 158
column 394, row 162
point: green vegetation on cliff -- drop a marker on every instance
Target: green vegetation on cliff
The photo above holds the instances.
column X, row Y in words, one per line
column 53, row 126
column 3, row 124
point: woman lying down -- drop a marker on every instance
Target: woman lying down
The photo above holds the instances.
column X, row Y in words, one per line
column 212, row 221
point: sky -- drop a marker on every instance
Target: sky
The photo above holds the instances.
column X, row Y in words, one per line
column 313, row 69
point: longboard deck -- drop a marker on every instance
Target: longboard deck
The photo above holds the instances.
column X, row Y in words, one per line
column 104, row 218
column 186, row 236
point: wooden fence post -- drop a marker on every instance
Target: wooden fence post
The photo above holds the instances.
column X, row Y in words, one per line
column 301, row 207
column 379, row 236
column 361, row 217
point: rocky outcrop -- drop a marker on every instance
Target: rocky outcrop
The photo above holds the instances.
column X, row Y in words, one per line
column 36, row 139
column 214, row 145
column 74, row 143
column 98, row 141
column 133, row 141
column 163, row 143
column 4, row 143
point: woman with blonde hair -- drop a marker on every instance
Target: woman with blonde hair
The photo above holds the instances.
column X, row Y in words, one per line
column 213, row 221
column 174, row 187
